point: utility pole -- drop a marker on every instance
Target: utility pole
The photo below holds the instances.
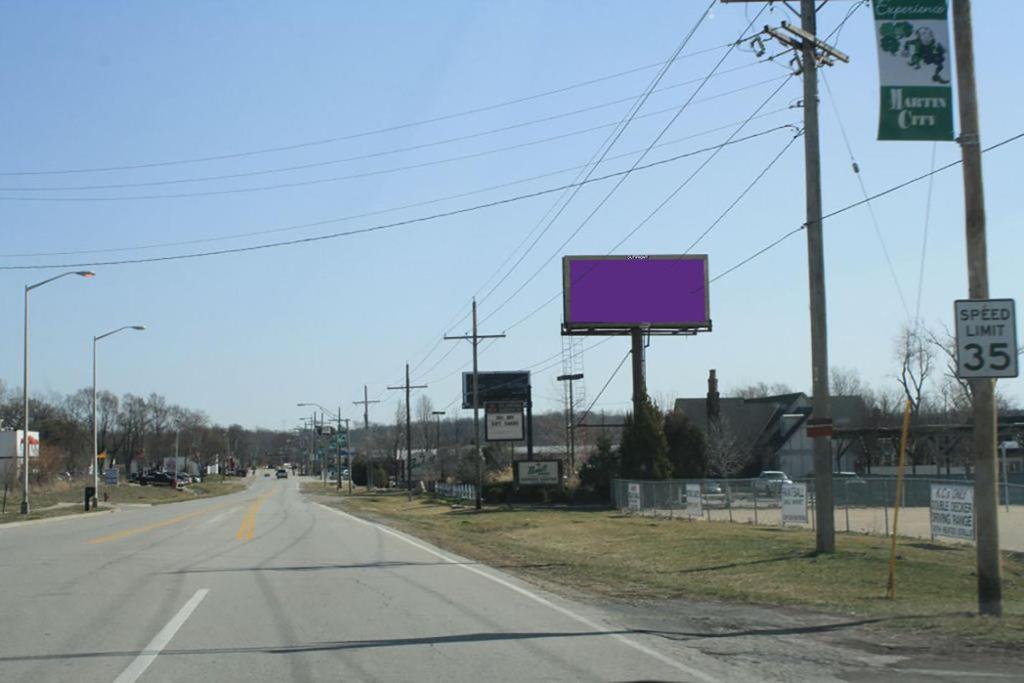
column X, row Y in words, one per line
column 572, row 419
column 366, row 436
column 986, row 501
column 408, row 427
column 804, row 39
column 475, row 339
column 440, row 463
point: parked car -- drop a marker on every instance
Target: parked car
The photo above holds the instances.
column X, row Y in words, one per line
column 770, row 482
column 282, row 474
column 158, row 479
column 849, row 478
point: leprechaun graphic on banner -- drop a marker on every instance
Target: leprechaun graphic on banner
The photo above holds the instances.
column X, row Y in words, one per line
column 914, row 70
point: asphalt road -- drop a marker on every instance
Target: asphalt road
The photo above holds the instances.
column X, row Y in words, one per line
column 267, row 585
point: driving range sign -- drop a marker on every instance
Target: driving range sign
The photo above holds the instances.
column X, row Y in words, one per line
column 986, row 338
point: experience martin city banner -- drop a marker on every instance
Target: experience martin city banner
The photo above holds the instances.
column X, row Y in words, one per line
column 914, row 70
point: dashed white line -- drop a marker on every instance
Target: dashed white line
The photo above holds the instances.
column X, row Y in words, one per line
column 160, row 640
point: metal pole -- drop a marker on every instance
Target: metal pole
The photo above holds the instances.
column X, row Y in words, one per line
column 337, row 450
column 825, row 532
column 95, row 433
column 990, row 581
column 1006, row 481
column 24, row 438
column 408, row 433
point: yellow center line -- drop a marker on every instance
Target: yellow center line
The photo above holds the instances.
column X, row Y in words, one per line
column 245, row 532
column 118, row 535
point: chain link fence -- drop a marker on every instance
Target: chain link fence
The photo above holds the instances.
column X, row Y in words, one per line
column 862, row 504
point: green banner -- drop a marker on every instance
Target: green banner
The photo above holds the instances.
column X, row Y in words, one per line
column 916, row 99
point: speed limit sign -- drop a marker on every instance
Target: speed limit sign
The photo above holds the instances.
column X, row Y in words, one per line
column 986, row 338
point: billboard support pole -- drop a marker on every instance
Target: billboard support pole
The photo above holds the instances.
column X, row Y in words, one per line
column 639, row 385
column 475, row 339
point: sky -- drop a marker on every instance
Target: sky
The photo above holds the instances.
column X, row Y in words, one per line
column 400, row 110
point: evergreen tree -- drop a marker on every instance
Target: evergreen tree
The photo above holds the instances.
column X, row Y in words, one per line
column 687, row 449
column 644, row 449
column 597, row 472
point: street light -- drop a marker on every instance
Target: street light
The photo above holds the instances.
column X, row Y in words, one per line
column 95, row 432
column 29, row 288
column 348, row 446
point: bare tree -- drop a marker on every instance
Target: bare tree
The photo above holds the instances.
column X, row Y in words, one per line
column 916, row 359
column 728, row 451
column 424, row 415
column 761, row 390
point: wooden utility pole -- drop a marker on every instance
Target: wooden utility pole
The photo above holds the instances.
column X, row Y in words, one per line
column 825, row 527
column 366, row 436
column 408, row 427
column 475, row 339
column 990, row 582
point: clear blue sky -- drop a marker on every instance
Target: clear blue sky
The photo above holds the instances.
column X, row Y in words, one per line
column 244, row 337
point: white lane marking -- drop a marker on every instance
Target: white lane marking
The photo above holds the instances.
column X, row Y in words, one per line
column 958, row 674
column 695, row 673
column 160, row 640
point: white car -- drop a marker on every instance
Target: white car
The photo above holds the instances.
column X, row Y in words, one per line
column 770, row 482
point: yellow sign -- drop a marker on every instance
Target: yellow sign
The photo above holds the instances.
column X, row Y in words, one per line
column 102, row 456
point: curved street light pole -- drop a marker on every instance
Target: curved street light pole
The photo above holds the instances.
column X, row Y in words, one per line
column 95, row 431
column 24, row 386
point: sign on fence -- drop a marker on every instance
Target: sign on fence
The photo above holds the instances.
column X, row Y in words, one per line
column 794, row 503
column 110, row 476
column 633, row 496
column 952, row 511
column 693, row 506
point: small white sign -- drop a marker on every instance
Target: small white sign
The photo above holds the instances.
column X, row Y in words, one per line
column 693, row 501
column 952, row 511
column 538, row 472
column 794, row 503
column 633, row 496
column 504, row 421
column 986, row 338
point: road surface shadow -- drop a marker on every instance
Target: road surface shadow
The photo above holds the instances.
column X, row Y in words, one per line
column 369, row 644
column 384, row 564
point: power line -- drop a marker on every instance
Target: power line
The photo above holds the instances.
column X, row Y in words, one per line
column 664, row 203
column 413, row 148
column 375, row 212
column 391, row 225
column 332, row 179
column 622, row 178
column 782, row 238
column 607, row 149
column 362, row 134
column 600, row 393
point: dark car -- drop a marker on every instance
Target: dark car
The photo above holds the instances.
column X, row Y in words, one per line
column 157, row 479
column 282, row 474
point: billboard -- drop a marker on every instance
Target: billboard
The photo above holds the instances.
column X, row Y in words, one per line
column 658, row 292
column 496, row 386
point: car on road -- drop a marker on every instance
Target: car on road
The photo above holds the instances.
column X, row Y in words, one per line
column 770, row 482
column 282, row 474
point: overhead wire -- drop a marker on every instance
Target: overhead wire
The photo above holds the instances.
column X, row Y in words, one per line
column 623, row 178
column 924, row 238
column 361, row 134
column 417, row 147
column 386, row 226
column 367, row 214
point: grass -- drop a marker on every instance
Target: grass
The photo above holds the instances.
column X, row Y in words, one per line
column 65, row 498
column 604, row 553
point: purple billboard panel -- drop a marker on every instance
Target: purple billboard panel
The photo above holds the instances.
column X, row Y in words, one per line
column 664, row 291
